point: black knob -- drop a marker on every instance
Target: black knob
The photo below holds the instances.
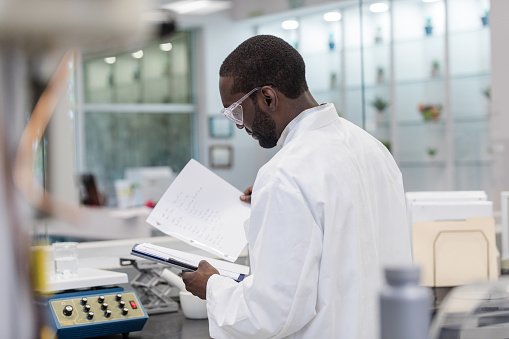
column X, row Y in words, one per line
column 104, row 306
column 107, row 314
column 100, row 299
column 121, row 304
column 118, row 297
column 84, row 301
column 68, row 310
column 90, row 315
column 87, row 308
column 124, row 311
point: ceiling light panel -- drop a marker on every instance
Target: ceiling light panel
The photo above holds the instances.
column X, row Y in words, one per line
column 332, row 16
column 378, row 7
column 197, row 7
column 290, row 24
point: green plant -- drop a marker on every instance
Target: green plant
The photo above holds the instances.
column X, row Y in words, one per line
column 380, row 74
column 380, row 104
column 432, row 152
column 487, row 92
column 430, row 112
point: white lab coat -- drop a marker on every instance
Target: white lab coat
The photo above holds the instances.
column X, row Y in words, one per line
column 328, row 213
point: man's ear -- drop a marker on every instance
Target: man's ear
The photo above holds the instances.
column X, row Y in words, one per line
column 269, row 97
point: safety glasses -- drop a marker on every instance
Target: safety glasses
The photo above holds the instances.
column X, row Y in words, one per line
column 234, row 111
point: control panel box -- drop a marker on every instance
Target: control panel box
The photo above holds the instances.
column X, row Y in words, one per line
column 96, row 313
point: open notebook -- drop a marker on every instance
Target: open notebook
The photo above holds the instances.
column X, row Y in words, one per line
column 187, row 261
column 203, row 210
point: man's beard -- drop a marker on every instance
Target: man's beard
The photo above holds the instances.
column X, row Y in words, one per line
column 264, row 128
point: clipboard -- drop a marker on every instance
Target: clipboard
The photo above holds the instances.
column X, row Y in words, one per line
column 167, row 261
column 187, row 262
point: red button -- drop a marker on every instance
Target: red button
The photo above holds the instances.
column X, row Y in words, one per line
column 133, row 304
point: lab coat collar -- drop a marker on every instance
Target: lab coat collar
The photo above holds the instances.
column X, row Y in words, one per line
column 323, row 114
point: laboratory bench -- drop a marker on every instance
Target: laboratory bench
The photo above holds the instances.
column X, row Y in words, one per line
column 172, row 325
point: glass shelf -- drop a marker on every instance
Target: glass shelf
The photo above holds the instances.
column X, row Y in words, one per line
column 470, row 75
column 431, row 124
column 368, row 47
column 473, row 163
column 481, row 30
column 424, row 163
column 470, row 119
column 430, row 80
column 427, row 124
column 423, row 39
column 324, row 54
column 383, row 85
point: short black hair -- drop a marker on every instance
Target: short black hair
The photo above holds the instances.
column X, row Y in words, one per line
column 266, row 60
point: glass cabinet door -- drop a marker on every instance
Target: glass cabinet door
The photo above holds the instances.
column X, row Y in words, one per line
column 413, row 73
column 376, row 71
column 420, row 93
column 139, row 110
column 157, row 73
column 319, row 41
column 469, row 52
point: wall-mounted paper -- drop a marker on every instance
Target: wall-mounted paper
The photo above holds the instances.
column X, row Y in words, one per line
column 203, row 210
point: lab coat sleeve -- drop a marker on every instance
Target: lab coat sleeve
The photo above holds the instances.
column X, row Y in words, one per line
column 280, row 297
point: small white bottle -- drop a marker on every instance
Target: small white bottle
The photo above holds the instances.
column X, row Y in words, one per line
column 405, row 307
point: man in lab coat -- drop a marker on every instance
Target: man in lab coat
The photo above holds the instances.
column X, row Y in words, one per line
column 327, row 211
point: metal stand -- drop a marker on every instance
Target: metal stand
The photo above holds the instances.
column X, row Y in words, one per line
column 153, row 291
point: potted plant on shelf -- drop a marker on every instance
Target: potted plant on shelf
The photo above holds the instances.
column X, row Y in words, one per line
column 428, row 28
column 332, row 41
column 484, row 19
column 380, row 78
column 378, row 35
column 431, row 153
column 380, row 105
column 487, row 94
column 435, row 68
column 430, row 112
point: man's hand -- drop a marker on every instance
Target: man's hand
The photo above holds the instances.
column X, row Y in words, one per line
column 196, row 282
column 247, row 195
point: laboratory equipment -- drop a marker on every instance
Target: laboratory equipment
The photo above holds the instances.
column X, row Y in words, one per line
column 65, row 257
column 151, row 287
column 405, row 307
column 192, row 306
column 92, row 304
column 474, row 311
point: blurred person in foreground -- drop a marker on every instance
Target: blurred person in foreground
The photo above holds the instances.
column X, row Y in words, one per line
column 327, row 211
